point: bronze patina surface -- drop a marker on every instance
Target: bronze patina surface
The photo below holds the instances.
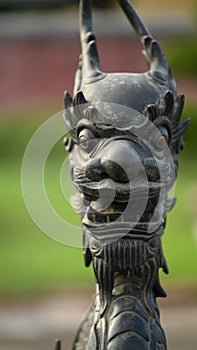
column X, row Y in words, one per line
column 125, row 138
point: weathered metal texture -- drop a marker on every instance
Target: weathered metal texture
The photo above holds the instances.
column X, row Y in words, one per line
column 125, row 137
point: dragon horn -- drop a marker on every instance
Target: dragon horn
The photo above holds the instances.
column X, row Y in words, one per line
column 90, row 66
column 158, row 64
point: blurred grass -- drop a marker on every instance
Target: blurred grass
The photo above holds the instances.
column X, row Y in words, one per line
column 32, row 263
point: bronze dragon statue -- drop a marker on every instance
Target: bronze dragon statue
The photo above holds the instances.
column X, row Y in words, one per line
column 125, row 136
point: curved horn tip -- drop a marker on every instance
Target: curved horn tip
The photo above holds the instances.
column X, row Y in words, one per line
column 90, row 58
column 58, row 345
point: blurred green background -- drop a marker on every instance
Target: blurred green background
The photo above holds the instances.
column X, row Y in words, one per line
column 34, row 74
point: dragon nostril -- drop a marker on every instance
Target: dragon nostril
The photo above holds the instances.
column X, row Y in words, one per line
column 121, row 162
column 114, row 170
column 94, row 169
column 151, row 168
column 118, row 161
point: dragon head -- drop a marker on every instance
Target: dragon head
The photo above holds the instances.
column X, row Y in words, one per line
column 125, row 138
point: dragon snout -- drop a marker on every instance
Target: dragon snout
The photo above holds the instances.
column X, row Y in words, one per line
column 118, row 161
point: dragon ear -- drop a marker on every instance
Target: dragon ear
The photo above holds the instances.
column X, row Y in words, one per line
column 68, row 114
column 158, row 65
column 168, row 103
column 89, row 65
column 79, row 99
column 178, row 128
column 74, row 112
column 68, row 101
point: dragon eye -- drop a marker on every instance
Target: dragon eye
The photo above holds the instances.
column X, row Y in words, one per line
column 86, row 139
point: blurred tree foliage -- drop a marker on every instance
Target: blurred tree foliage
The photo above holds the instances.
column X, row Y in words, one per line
column 182, row 54
column 190, row 138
